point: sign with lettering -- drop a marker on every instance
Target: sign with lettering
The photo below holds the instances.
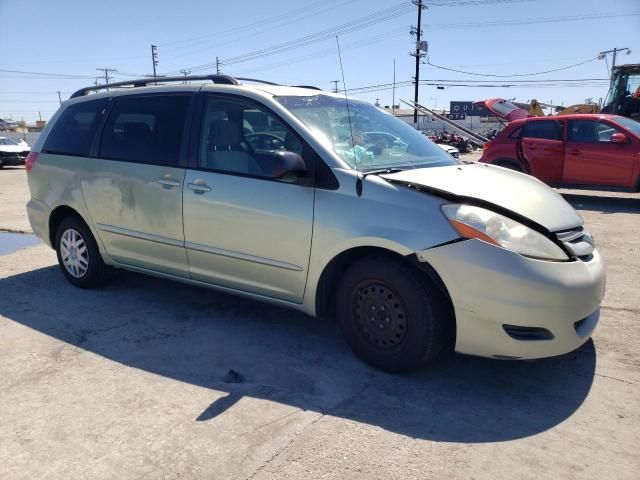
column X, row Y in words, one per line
column 469, row 109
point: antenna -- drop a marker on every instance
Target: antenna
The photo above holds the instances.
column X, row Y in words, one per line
column 346, row 99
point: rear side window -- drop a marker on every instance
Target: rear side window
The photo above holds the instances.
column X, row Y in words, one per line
column 73, row 132
column 145, row 129
column 516, row 133
column 547, row 129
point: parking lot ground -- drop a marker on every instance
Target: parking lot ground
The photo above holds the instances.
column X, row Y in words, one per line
column 14, row 194
column 132, row 381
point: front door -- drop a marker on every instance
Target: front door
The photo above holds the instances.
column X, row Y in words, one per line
column 133, row 191
column 244, row 229
column 592, row 159
column 542, row 147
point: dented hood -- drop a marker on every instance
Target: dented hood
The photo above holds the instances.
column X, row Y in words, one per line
column 516, row 192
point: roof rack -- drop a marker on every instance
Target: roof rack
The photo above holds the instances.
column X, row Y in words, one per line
column 310, row 87
column 143, row 82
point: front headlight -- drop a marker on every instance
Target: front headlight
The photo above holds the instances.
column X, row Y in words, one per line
column 483, row 224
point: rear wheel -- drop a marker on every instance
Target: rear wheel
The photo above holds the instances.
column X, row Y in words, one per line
column 392, row 318
column 78, row 254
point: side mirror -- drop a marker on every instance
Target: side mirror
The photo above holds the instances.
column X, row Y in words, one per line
column 287, row 164
column 618, row 138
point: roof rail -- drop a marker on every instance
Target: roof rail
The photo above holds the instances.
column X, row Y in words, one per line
column 310, row 87
column 143, row 82
column 256, row 80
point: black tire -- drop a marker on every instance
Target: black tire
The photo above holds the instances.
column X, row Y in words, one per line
column 94, row 273
column 414, row 331
column 510, row 165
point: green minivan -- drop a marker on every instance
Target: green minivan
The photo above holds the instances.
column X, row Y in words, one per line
column 317, row 202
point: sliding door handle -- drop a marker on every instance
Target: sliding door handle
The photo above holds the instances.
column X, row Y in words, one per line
column 168, row 183
column 199, row 188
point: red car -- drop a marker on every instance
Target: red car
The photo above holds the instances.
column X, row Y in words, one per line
column 571, row 150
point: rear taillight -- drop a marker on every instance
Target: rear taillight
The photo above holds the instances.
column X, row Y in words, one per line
column 487, row 146
column 30, row 161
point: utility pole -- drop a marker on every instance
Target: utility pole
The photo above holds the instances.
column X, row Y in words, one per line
column 185, row 73
column 106, row 74
column 218, row 65
column 154, row 59
column 613, row 62
column 393, row 95
column 418, row 55
column 59, row 97
column 335, row 85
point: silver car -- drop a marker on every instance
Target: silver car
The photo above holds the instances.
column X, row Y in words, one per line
column 294, row 196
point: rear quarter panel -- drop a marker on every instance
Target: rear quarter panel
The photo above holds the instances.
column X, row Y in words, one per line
column 55, row 181
column 503, row 149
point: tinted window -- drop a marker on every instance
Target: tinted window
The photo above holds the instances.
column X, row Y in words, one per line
column 548, row 129
column 145, row 129
column 516, row 133
column 587, row 131
column 73, row 132
column 238, row 137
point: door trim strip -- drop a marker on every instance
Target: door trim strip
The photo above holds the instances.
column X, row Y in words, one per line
column 198, row 247
column 242, row 256
column 140, row 235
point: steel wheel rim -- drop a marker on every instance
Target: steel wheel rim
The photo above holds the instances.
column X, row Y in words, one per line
column 380, row 316
column 74, row 253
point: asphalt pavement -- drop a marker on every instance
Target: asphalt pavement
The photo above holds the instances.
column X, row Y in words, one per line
column 150, row 379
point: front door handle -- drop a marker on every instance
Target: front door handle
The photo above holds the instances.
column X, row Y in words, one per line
column 575, row 152
column 168, row 183
column 199, row 188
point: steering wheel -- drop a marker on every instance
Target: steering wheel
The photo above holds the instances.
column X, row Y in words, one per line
column 265, row 141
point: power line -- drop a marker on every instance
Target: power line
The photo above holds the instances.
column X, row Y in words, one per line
column 326, row 34
column 50, row 75
column 365, row 42
column 106, row 74
column 513, row 74
column 241, row 32
column 250, row 26
column 532, row 21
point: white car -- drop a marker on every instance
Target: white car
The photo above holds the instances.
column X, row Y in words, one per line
column 13, row 152
column 453, row 151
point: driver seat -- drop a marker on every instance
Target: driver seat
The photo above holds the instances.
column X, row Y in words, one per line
column 225, row 150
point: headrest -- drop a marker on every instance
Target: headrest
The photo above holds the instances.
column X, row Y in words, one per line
column 224, row 132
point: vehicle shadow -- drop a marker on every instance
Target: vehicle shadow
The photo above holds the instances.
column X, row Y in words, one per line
column 197, row 336
column 603, row 204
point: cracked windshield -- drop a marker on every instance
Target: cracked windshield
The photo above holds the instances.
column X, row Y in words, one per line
column 364, row 136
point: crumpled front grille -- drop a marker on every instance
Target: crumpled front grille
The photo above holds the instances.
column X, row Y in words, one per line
column 578, row 241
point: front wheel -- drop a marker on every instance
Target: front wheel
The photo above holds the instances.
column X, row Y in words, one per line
column 510, row 165
column 391, row 317
column 78, row 254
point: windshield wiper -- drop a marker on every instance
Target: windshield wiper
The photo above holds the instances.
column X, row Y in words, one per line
column 374, row 172
column 381, row 170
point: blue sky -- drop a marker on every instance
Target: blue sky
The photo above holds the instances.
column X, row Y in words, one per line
column 74, row 37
